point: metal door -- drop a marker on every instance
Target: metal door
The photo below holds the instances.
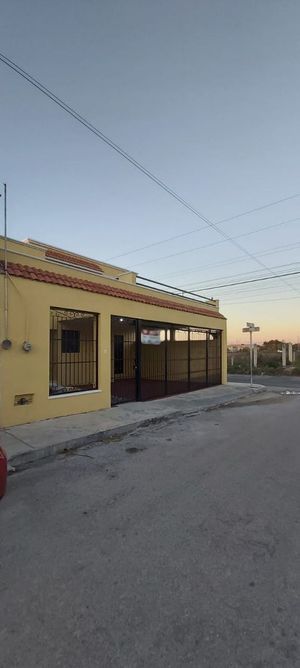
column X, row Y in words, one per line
column 123, row 360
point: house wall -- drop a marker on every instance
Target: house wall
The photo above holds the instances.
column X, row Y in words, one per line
column 28, row 320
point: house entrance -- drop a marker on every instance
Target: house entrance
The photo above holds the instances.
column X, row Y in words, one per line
column 152, row 360
column 123, row 360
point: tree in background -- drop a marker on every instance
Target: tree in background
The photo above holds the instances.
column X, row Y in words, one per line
column 272, row 345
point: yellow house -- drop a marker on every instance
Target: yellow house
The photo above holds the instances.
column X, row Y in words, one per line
column 77, row 335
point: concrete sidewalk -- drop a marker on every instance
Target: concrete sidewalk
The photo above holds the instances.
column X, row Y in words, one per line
column 28, row 443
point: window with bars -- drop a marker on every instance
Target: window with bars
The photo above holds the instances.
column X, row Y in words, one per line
column 73, row 363
column 70, row 341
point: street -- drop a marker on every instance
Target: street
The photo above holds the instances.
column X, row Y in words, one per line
column 177, row 545
column 291, row 383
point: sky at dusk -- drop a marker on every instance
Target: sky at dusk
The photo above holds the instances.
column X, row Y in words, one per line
column 206, row 95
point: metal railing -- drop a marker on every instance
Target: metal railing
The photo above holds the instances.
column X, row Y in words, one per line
column 173, row 290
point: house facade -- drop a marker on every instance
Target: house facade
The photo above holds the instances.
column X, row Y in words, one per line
column 77, row 335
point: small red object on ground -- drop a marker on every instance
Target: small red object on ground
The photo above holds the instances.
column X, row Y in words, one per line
column 3, row 472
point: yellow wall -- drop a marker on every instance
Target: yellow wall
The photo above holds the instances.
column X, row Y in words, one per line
column 18, row 254
column 25, row 252
column 28, row 372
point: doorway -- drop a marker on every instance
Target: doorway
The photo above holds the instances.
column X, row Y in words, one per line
column 123, row 360
column 151, row 360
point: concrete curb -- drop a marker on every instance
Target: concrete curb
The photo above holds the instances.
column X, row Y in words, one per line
column 24, row 459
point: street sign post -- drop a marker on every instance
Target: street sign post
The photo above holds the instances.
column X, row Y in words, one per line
column 251, row 328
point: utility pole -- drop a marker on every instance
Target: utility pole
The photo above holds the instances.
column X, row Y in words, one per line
column 5, row 343
column 250, row 327
column 5, row 267
column 255, row 356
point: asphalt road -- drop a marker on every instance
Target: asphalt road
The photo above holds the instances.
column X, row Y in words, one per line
column 291, row 383
column 175, row 546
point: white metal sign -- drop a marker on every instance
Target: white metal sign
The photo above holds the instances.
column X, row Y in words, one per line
column 251, row 328
column 150, row 336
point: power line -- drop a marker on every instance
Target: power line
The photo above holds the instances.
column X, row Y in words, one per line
column 252, row 280
column 199, row 229
column 233, row 260
column 171, row 287
column 261, row 301
column 242, row 275
column 217, row 243
column 100, row 135
column 264, row 286
column 72, row 112
column 257, row 297
column 259, row 289
column 272, row 251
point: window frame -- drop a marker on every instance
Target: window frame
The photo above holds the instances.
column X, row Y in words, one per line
column 73, row 388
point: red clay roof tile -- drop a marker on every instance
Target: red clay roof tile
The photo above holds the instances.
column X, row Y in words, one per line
column 72, row 259
column 30, row 273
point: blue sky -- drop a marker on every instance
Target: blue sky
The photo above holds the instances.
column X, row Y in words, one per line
column 204, row 94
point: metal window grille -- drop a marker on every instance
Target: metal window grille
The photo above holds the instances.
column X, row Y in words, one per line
column 73, row 363
column 70, row 341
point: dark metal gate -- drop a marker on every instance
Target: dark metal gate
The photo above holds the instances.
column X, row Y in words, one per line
column 123, row 360
column 152, row 360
